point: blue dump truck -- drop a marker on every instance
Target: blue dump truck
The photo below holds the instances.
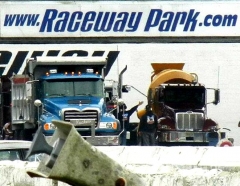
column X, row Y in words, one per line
column 71, row 89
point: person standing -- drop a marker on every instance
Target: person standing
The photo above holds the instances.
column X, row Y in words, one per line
column 124, row 117
column 7, row 133
column 147, row 127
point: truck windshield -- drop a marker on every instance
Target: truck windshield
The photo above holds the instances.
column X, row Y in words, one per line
column 59, row 87
column 184, row 97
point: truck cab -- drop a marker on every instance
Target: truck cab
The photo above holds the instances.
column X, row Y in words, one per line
column 182, row 111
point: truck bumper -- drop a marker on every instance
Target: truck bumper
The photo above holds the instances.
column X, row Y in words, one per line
column 183, row 138
column 103, row 140
column 99, row 140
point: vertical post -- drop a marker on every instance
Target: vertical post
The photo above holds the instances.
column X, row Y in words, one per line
column 120, row 82
column 38, row 122
column 124, row 130
column 92, row 128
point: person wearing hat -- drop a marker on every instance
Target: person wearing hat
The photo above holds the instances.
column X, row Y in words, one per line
column 124, row 117
column 147, row 127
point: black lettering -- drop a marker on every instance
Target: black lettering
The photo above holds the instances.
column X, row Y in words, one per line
column 75, row 52
column 98, row 53
column 5, row 57
column 53, row 52
column 21, row 56
column 111, row 58
column 36, row 53
column 17, row 62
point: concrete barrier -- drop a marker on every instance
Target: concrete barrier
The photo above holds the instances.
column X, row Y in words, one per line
column 13, row 173
column 165, row 166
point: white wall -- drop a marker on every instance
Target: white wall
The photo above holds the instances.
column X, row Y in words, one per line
column 165, row 166
column 217, row 64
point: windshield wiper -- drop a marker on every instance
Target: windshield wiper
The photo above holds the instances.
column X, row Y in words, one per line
column 57, row 95
column 83, row 94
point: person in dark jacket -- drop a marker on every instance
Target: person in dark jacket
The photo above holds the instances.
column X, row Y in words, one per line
column 147, row 127
column 124, row 117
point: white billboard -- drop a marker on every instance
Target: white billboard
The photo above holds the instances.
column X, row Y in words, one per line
column 119, row 19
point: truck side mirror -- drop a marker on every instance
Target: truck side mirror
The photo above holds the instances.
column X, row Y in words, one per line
column 28, row 88
column 217, row 96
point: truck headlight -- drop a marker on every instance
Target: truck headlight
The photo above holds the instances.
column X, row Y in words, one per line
column 108, row 125
column 49, row 126
column 164, row 126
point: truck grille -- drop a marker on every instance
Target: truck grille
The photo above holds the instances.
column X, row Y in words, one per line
column 189, row 121
column 81, row 115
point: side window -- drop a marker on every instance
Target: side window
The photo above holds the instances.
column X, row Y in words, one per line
column 9, row 155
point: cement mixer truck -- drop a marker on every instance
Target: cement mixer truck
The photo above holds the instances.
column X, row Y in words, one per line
column 63, row 88
column 180, row 103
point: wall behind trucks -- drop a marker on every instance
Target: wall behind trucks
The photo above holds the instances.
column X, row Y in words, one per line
column 216, row 65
